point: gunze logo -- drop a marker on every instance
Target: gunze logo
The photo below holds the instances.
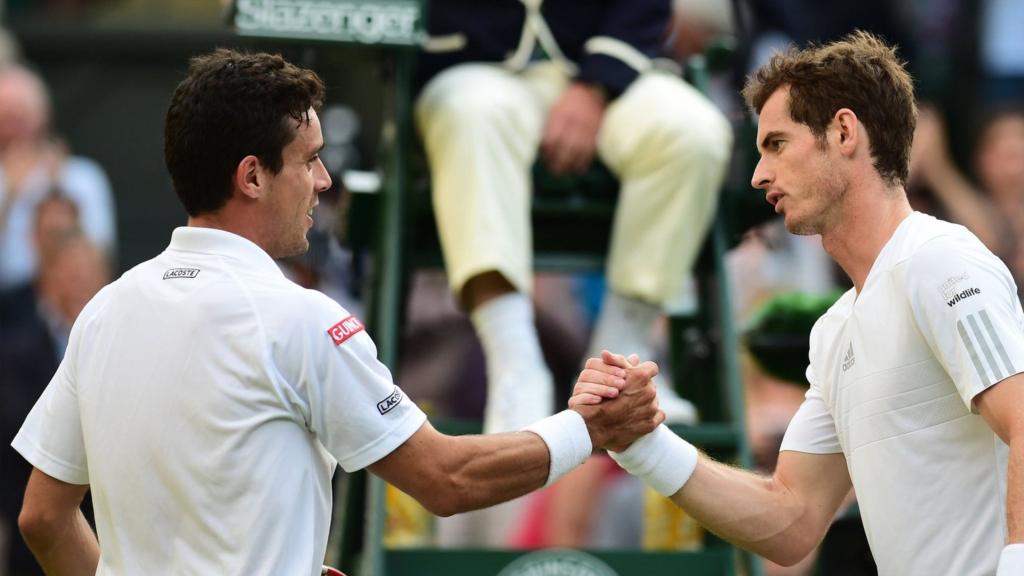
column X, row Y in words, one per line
column 181, row 273
column 557, row 563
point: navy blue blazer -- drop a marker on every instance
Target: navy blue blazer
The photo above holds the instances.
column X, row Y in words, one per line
column 490, row 31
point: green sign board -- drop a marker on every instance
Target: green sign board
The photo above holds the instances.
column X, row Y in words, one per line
column 390, row 22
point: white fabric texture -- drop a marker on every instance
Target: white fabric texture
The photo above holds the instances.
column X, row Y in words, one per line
column 207, row 400
column 481, row 126
column 1011, row 560
column 662, row 459
column 623, row 326
column 568, row 442
column 520, row 389
column 893, row 372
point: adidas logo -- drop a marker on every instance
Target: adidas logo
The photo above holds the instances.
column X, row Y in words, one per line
column 962, row 295
column 848, row 359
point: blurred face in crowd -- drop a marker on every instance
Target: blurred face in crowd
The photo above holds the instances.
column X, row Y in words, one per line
column 23, row 107
column 1000, row 158
column 293, row 191
column 797, row 171
column 71, row 275
column 56, row 218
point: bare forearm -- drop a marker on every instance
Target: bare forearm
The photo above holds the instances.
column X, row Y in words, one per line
column 66, row 547
column 487, row 470
column 752, row 511
column 1015, row 492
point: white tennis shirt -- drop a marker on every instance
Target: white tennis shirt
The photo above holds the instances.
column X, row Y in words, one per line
column 893, row 373
column 207, row 400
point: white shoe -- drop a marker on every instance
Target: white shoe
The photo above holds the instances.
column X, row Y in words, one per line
column 518, row 399
column 678, row 410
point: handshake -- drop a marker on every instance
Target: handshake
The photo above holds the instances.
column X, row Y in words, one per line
column 617, row 398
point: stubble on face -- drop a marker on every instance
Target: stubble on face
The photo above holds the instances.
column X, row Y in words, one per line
column 294, row 193
column 823, row 200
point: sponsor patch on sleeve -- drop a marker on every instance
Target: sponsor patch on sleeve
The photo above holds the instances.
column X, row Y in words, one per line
column 345, row 329
column 385, row 405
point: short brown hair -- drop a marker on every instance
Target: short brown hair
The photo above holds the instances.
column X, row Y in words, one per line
column 859, row 72
column 232, row 104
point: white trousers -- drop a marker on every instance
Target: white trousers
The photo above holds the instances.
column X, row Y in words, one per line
column 482, row 125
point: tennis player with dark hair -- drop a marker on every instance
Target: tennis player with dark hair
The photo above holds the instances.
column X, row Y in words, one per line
column 206, row 400
column 916, row 394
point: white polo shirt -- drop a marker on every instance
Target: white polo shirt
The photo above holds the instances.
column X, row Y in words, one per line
column 893, row 374
column 206, row 400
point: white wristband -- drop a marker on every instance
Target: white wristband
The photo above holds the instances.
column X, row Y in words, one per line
column 568, row 441
column 1011, row 561
column 662, row 459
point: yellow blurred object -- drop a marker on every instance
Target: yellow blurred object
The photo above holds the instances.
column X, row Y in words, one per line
column 667, row 527
column 408, row 523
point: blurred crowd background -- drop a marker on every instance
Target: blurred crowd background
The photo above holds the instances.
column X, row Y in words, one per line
column 84, row 196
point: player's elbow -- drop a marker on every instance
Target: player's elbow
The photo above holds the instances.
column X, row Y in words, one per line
column 788, row 556
column 792, row 546
column 37, row 525
column 445, row 497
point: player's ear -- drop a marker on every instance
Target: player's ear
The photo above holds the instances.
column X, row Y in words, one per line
column 249, row 177
column 847, row 130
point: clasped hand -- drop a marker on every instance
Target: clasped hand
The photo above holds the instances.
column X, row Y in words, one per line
column 618, row 400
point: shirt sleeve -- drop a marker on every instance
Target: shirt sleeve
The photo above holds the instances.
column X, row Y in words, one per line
column 349, row 400
column 51, row 437
column 812, row 429
column 965, row 304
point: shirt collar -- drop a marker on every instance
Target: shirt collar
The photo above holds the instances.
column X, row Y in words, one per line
column 222, row 243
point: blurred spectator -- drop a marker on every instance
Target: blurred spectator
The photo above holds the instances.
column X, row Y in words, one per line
column 35, row 321
column 995, row 210
column 32, row 167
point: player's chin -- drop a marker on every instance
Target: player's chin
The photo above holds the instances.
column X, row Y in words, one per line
column 799, row 226
column 297, row 248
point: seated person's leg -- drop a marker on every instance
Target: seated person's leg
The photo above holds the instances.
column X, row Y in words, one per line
column 481, row 127
column 669, row 147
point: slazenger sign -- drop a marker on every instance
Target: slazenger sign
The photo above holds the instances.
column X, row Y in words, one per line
column 382, row 22
column 557, row 563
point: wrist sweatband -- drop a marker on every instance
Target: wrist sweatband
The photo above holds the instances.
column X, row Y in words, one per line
column 662, row 459
column 568, row 441
column 1011, row 561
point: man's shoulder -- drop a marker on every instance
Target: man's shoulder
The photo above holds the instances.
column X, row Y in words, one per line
column 290, row 309
column 931, row 237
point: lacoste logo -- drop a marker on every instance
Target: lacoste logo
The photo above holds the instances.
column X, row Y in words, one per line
column 385, row 405
column 962, row 295
column 848, row 359
column 345, row 329
column 181, row 273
